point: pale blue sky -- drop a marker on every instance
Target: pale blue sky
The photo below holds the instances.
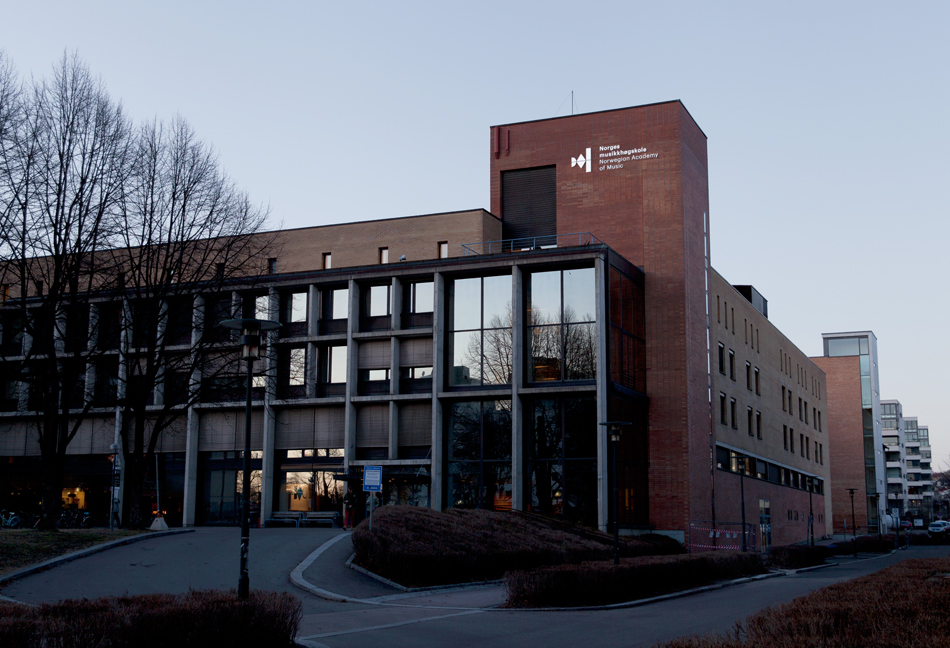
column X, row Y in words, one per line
column 826, row 123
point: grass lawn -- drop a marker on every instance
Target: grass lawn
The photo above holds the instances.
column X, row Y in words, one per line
column 22, row 547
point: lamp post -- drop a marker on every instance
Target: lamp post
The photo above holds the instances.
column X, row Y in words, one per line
column 741, row 461
column 811, row 512
column 613, row 428
column 854, row 522
column 250, row 349
column 115, row 464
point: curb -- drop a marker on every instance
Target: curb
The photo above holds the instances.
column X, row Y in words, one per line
column 297, row 578
column 88, row 551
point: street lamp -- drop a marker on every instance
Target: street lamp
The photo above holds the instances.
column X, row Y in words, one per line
column 741, row 465
column 250, row 349
column 854, row 522
column 811, row 512
column 115, row 464
column 613, row 428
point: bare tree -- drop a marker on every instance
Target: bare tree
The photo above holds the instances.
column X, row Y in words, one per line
column 185, row 230
column 65, row 147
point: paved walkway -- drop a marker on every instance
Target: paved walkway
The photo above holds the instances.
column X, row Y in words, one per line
column 375, row 614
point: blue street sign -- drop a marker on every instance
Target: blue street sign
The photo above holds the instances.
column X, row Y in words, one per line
column 372, row 479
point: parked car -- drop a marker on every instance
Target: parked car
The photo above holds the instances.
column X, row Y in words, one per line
column 939, row 527
column 906, row 525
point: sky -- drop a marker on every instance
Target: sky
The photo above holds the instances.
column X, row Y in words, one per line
column 826, row 122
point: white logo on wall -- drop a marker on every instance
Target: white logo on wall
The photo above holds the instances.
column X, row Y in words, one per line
column 612, row 157
column 582, row 161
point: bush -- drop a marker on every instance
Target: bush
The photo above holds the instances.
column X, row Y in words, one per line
column 866, row 544
column 603, row 583
column 798, row 556
column 902, row 606
column 198, row 618
column 417, row 546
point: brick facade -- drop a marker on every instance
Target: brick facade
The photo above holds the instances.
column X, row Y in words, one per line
column 653, row 210
column 847, row 438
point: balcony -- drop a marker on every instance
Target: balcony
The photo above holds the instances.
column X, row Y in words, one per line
column 527, row 244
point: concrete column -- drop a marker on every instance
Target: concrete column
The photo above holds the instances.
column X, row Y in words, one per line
column 268, row 476
column 396, row 303
column 518, row 488
column 161, row 328
column 436, row 494
column 314, row 308
column 603, row 411
column 352, row 359
column 190, row 503
column 393, row 390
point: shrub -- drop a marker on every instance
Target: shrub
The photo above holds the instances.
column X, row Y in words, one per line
column 866, row 544
column 902, row 606
column 417, row 546
column 798, row 556
column 603, row 583
column 198, row 618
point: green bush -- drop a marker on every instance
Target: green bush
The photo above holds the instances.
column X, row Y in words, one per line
column 417, row 546
column 866, row 544
column 603, row 583
column 798, row 556
column 902, row 606
column 196, row 619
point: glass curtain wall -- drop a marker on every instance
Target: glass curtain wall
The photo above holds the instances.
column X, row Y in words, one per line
column 480, row 331
column 479, row 455
column 561, row 327
column 561, row 442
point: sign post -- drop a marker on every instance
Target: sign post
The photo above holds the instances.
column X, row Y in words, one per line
column 372, row 483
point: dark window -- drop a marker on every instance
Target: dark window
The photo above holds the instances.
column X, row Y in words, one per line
column 732, row 364
column 722, row 409
column 722, row 359
column 732, row 413
column 529, row 202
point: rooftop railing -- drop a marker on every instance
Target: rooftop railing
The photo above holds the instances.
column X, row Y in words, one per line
column 530, row 243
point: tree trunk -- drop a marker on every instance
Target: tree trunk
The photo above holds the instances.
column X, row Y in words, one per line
column 52, row 471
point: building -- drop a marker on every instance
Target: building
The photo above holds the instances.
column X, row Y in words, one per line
column 769, row 421
column 895, row 460
column 475, row 354
column 856, row 443
column 920, row 486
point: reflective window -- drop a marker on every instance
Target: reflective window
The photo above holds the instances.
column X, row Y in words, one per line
column 339, row 303
column 479, row 450
column 297, row 368
column 560, row 325
column 480, row 341
column 419, row 297
column 378, row 305
column 297, row 307
column 337, row 368
column 843, row 347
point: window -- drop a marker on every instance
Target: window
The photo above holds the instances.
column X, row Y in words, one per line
column 807, row 445
column 816, row 452
column 295, row 307
column 814, row 417
column 749, row 422
column 722, row 408
column 722, row 359
column 783, row 399
column 732, row 364
column 336, row 369
column 560, row 325
column 757, row 381
column 801, row 444
column 748, row 376
column 758, row 425
column 219, row 271
column 383, row 255
column 785, row 436
column 272, row 266
column 327, row 260
column 732, row 413
column 4, row 292
column 819, row 421
column 789, row 401
column 800, row 416
column 479, row 344
column 821, row 454
column 806, row 412
column 443, row 249
column 791, row 440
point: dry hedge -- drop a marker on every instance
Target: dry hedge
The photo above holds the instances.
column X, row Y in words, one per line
column 902, row 606
column 416, row 546
column 196, row 619
column 603, row 583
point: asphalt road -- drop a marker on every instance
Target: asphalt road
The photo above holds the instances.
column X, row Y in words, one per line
column 208, row 558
